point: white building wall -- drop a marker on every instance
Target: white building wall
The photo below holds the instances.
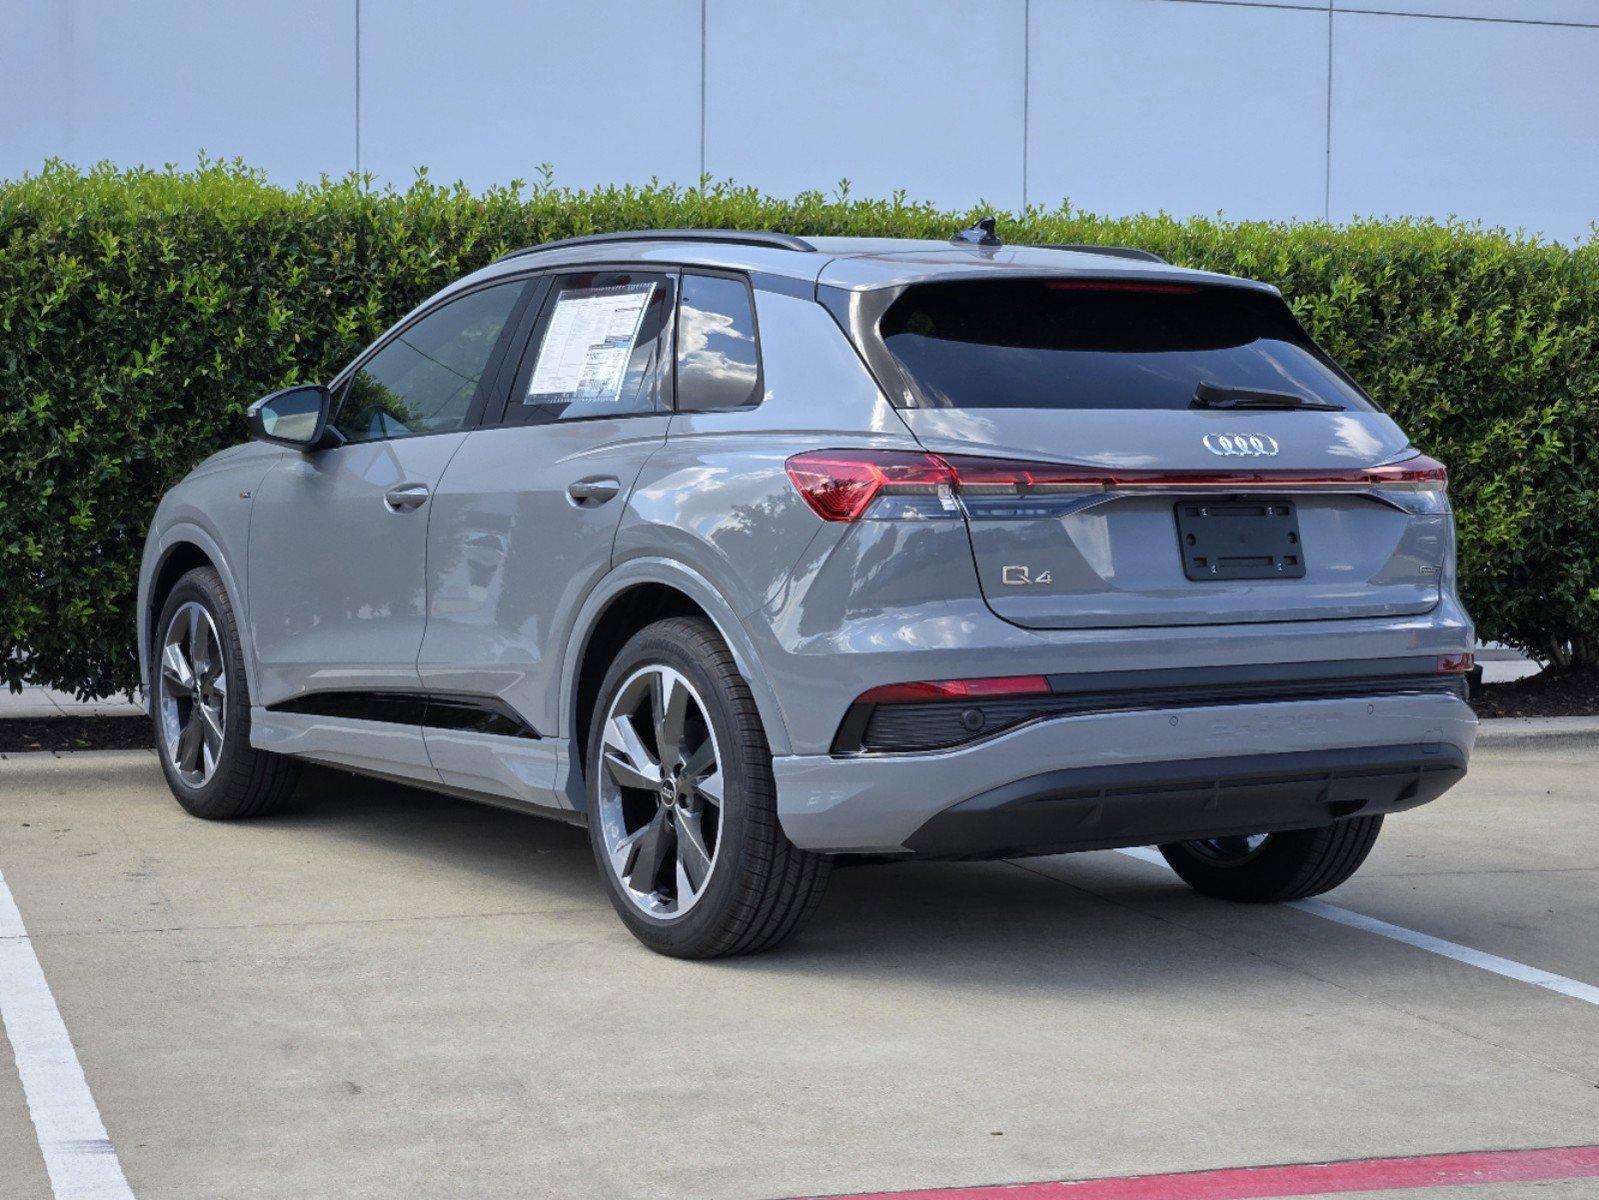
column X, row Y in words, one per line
column 159, row 81
column 1193, row 108
column 1457, row 138
column 607, row 91
column 1251, row 108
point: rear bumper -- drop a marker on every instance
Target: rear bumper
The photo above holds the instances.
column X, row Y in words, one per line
column 1093, row 808
column 1132, row 778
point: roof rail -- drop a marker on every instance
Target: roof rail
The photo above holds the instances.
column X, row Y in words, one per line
column 736, row 237
column 1111, row 251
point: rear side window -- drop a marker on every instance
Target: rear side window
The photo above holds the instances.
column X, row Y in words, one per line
column 718, row 355
column 600, row 349
column 1080, row 343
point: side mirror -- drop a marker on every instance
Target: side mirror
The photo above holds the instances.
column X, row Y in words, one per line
column 296, row 416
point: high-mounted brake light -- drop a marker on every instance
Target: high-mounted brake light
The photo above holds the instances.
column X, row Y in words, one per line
column 1120, row 285
column 840, row 485
column 956, row 689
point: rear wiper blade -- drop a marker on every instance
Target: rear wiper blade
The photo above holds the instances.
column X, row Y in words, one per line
column 1209, row 395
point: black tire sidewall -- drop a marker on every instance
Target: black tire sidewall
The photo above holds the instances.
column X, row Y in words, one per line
column 1290, row 866
column 1256, row 879
column 205, row 586
column 664, row 645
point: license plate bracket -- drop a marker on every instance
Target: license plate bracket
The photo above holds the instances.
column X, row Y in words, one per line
column 1240, row 537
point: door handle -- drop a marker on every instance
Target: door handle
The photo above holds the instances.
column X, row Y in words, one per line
column 407, row 497
column 593, row 492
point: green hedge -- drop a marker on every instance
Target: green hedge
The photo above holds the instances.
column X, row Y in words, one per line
column 140, row 312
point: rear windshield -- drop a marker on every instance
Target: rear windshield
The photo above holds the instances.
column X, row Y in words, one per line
column 1058, row 343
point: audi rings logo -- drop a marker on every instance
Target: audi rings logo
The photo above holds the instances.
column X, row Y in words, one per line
column 1234, row 445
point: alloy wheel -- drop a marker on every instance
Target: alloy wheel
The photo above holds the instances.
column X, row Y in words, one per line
column 191, row 694
column 660, row 791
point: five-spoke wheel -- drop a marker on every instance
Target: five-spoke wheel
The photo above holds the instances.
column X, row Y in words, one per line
column 192, row 694
column 660, row 791
column 682, row 806
column 201, row 706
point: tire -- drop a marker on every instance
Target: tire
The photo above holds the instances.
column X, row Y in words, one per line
column 228, row 779
column 758, row 888
column 1285, row 866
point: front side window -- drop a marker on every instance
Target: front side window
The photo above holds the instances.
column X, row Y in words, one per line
column 1083, row 343
column 425, row 378
column 597, row 350
column 718, row 356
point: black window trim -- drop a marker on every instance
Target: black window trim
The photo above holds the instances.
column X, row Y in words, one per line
column 759, row 389
column 494, row 416
column 487, row 382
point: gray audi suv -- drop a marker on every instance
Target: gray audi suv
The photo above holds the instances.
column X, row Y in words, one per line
column 748, row 552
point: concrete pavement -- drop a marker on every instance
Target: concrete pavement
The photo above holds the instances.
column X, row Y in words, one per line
column 387, row 993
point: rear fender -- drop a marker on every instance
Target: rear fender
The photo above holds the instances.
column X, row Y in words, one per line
column 702, row 592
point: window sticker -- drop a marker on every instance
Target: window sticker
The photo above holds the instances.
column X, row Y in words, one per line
column 588, row 344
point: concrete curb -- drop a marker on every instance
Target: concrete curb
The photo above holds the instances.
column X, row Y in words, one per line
column 1507, row 730
column 38, row 756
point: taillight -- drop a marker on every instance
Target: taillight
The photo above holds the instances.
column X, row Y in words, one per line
column 956, row 689
column 1419, row 474
column 1005, row 476
column 840, row 485
column 1456, row 664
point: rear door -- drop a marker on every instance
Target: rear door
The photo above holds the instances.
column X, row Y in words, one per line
column 525, row 516
column 1195, row 458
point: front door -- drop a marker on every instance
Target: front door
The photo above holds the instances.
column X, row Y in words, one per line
column 338, row 537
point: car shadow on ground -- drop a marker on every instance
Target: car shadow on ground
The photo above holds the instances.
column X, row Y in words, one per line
column 988, row 926
column 450, row 834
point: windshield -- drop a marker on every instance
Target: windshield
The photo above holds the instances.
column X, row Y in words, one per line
column 1083, row 343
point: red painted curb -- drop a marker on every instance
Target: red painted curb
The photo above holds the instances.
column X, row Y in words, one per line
column 1305, row 1179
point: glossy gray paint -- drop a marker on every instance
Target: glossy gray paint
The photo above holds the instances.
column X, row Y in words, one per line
column 875, row 803
column 495, row 585
column 210, row 511
column 510, row 558
column 337, row 587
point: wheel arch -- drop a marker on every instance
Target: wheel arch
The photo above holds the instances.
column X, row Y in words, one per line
column 182, row 548
column 636, row 594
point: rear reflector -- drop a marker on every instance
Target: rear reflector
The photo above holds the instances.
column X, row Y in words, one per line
column 956, row 689
column 1456, row 664
column 839, row 485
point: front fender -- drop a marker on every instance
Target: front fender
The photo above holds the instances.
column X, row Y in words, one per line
column 157, row 551
column 210, row 510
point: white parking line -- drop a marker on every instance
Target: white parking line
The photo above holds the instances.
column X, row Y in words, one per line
column 1507, row 967
column 78, row 1155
